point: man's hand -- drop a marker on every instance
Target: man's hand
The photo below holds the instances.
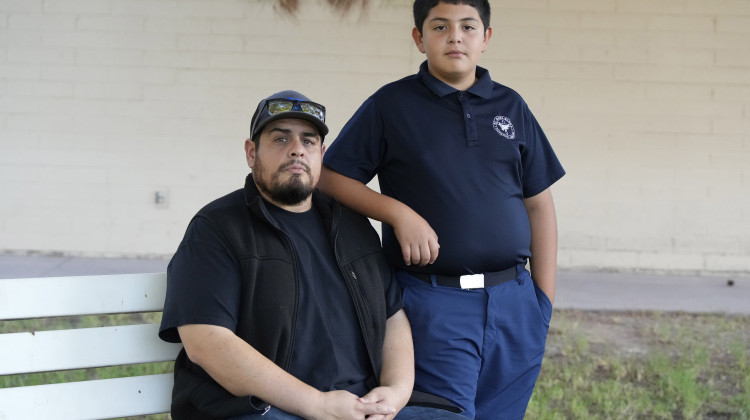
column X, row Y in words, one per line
column 419, row 242
column 383, row 395
column 343, row 405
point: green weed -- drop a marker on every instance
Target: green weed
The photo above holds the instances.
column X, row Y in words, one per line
column 686, row 367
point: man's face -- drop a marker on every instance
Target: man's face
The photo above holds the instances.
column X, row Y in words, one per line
column 286, row 162
column 453, row 38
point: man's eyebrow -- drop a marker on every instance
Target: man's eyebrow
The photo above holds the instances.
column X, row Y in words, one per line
column 288, row 131
column 282, row 130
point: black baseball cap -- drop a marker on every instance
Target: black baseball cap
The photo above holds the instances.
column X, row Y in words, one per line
column 288, row 104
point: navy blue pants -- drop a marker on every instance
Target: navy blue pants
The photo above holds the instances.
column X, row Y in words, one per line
column 480, row 348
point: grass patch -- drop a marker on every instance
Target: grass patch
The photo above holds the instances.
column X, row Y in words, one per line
column 88, row 321
column 635, row 365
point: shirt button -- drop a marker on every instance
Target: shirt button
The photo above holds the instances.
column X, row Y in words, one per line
column 468, row 116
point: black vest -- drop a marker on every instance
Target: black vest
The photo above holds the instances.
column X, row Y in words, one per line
column 267, row 317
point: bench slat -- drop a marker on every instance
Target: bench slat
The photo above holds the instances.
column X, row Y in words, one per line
column 118, row 397
column 81, row 295
column 39, row 351
column 83, row 348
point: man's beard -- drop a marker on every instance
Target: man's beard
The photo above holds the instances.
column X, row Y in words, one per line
column 289, row 193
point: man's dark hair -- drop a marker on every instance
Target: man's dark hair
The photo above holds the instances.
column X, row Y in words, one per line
column 422, row 9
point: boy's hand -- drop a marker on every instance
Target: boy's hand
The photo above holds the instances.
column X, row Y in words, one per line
column 419, row 243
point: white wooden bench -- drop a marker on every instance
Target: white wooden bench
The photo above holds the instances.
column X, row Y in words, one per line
column 78, row 348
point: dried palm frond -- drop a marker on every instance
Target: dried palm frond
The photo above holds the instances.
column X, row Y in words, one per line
column 342, row 6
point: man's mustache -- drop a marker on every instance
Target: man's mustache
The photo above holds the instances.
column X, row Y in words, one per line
column 295, row 162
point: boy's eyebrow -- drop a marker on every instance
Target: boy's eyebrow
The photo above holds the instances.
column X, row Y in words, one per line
column 442, row 19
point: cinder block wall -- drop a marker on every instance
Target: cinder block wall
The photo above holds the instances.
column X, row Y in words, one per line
column 105, row 103
column 648, row 105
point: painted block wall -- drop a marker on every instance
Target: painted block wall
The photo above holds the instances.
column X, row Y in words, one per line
column 105, row 103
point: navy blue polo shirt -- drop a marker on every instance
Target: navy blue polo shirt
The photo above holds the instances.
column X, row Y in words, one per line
column 463, row 160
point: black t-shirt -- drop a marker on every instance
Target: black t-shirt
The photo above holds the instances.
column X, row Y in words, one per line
column 329, row 352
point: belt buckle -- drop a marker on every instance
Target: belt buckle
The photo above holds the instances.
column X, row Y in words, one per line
column 472, row 281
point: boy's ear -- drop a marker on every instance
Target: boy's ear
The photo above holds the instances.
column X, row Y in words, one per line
column 418, row 39
column 487, row 36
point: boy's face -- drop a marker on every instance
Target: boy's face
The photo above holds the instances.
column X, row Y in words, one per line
column 453, row 38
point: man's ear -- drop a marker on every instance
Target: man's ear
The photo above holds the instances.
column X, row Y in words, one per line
column 417, row 36
column 250, row 152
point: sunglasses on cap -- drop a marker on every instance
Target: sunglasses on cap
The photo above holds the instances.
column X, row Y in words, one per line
column 278, row 106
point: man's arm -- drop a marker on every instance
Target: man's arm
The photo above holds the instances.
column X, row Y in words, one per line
column 242, row 370
column 543, row 262
column 419, row 242
column 397, row 373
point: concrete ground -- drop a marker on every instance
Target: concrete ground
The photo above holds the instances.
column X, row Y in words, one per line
column 575, row 289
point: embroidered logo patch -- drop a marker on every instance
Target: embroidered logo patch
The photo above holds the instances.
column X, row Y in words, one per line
column 504, row 127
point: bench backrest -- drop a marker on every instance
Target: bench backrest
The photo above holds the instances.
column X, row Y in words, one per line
column 78, row 348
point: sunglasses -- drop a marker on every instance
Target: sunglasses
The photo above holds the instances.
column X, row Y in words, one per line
column 278, row 106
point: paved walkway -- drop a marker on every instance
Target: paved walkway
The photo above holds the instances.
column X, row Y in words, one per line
column 620, row 291
column 575, row 289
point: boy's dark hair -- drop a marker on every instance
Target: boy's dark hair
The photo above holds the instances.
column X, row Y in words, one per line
column 422, row 8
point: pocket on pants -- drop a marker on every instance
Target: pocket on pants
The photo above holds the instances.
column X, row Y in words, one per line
column 545, row 306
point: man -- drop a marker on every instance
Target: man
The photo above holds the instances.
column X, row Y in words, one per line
column 283, row 298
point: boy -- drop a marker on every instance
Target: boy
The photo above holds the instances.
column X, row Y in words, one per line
column 460, row 158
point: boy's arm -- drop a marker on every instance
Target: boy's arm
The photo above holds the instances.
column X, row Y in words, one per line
column 419, row 242
column 543, row 262
column 397, row 373
column 242, row 370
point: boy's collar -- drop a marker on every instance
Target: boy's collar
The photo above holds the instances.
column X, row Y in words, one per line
column 482, row 87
